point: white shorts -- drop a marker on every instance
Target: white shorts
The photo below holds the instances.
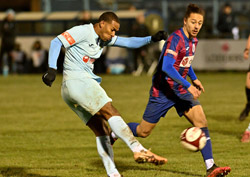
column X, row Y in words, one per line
column 84, row 96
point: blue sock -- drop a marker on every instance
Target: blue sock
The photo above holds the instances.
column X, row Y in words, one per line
column 133, row 126
column 207, row 150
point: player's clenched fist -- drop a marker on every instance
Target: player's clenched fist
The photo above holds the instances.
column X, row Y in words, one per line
column 160, row 35
column 49, row 76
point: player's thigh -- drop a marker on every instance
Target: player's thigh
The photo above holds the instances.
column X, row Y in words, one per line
column 108, row 110
column 196, row 116
column 155, row 110
column 82, row 113
column 86, row 93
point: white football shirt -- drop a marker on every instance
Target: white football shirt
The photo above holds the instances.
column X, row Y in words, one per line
column 83, row 46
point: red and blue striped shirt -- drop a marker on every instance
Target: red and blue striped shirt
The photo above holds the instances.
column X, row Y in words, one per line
column 175, row 64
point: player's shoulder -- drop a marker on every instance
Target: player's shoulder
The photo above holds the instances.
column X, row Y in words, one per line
column 176, row 38
column 176, row 35
column 85, row 29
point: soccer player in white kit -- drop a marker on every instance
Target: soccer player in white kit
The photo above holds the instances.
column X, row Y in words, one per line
column 81, row 88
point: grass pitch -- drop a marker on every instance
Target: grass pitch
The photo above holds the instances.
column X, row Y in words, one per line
column 41, row 137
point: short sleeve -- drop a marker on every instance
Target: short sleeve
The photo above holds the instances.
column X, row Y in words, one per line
column 73, row 35
column 173, row 46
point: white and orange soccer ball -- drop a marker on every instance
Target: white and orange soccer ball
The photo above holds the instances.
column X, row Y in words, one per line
column 193, row 139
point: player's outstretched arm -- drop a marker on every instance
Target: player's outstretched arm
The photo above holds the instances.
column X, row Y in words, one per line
column 137, row 42
column 160, row 35
column 54, row 50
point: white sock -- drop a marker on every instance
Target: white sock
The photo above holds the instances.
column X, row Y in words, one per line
column 248, row 128
column 122, row 131
column 113, row 135
column 105, row 151
column 115, row 175
column 209, row 163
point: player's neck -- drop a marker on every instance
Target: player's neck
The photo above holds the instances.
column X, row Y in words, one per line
column 97, row 28
column 186, row 33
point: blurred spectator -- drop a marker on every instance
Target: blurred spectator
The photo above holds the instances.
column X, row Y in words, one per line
column 85, row 18
column 227, row 24
column 139, row 29
column 115, row 60
column 19, row 60
column 245, row 112
column 8, row 33
column 39, row 57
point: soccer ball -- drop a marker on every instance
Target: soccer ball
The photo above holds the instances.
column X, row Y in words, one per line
column 193, row 139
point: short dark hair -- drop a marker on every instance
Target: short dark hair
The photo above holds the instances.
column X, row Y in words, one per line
column 193, row 8
column 227, row 5
column 109, row 17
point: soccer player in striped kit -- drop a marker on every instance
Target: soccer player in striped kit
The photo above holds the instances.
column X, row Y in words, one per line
column 81, row 88
column 171, row 89
column 245, row 112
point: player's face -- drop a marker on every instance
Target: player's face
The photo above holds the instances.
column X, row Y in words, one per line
column 108, row 30
column 193, row 24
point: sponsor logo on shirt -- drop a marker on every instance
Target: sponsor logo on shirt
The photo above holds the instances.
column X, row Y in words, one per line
column 186, row 61
column 68, row 37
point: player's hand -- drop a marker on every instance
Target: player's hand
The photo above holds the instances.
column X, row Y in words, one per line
column 198, row 85
column 160, row 35
column 49, row 76
column 194, row 91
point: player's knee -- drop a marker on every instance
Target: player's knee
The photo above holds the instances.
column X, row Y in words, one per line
column 108, row 110
column 201, row 122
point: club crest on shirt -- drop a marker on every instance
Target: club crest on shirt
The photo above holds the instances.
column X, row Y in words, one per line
column 186, row 61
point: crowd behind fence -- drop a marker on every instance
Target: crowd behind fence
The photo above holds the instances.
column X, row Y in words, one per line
column 35, row 27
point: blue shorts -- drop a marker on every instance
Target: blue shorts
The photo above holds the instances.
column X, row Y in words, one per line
column 157, row 107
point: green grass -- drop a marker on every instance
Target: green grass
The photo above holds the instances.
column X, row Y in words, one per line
column 41, row 137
